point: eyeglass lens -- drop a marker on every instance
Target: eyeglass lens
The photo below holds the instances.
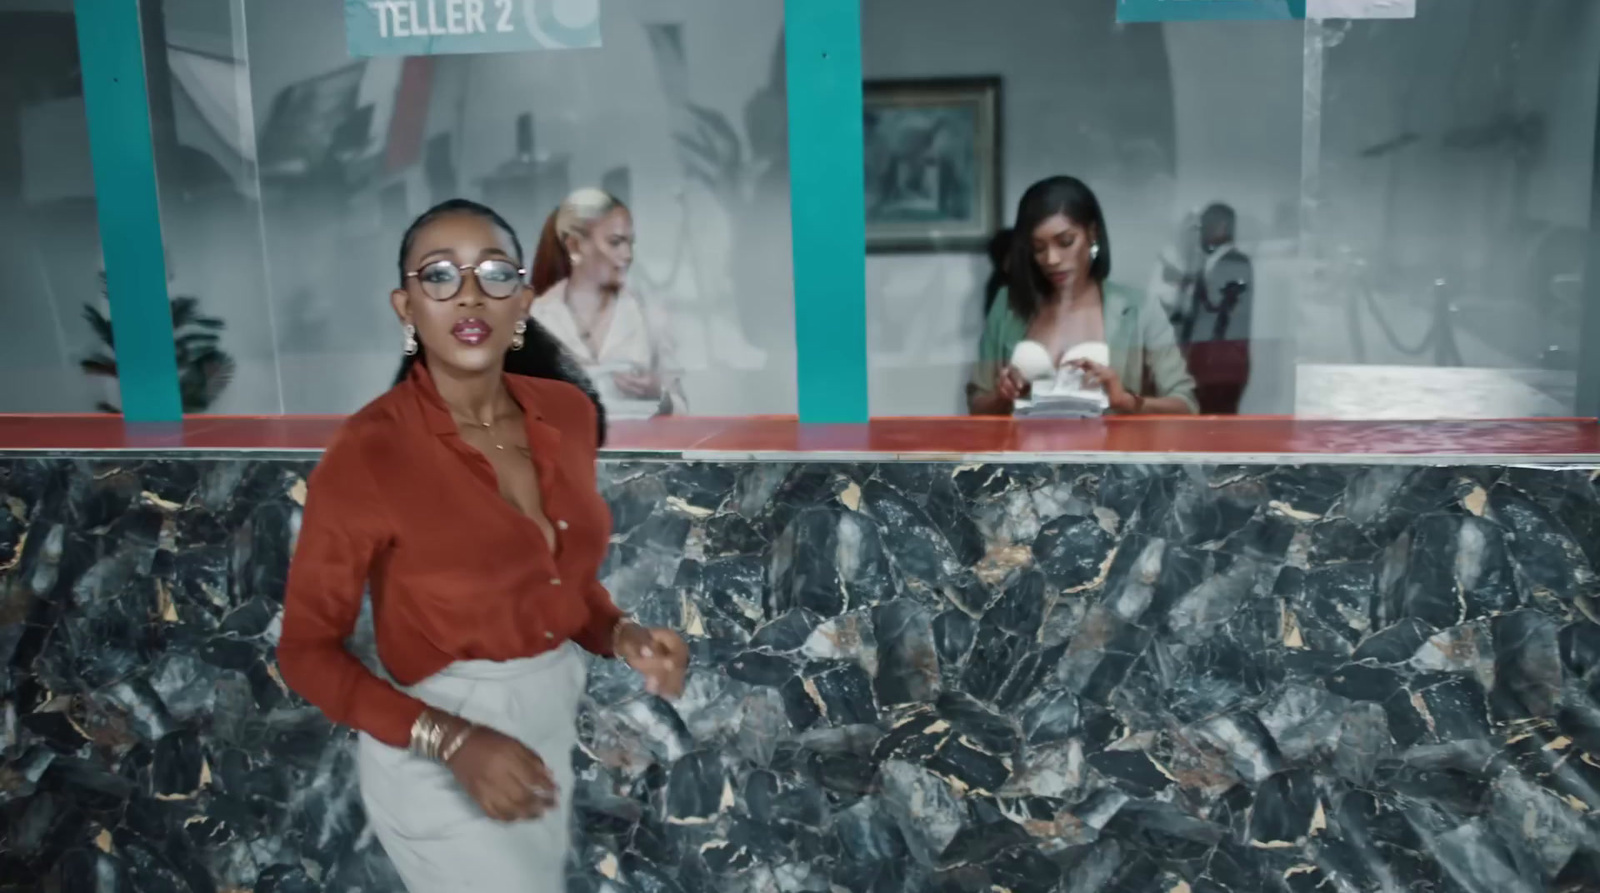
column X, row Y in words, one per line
column 442, row 280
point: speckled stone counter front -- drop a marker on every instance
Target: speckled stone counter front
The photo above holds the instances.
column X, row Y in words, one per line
column 907, row 677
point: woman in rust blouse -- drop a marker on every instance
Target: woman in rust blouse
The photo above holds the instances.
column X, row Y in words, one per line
column 465, row 498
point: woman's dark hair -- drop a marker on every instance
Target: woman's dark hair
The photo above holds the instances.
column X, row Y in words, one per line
column 1043, row 200
column 541, row 356
column 999, row 264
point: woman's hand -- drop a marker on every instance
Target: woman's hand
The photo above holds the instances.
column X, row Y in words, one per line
column 1010, row 385
column 1108, row 380
column 659, row 655
column 640, row 384
column 507, row 780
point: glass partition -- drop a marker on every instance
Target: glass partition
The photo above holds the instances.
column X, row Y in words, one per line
column 1369, row 219
column 1450, row 213
column 289, row 171
column 55, row 350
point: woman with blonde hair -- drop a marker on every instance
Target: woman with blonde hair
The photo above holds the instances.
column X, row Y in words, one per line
column 580, row 274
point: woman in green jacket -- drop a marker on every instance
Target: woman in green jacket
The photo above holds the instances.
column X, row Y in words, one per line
column 1059, row 297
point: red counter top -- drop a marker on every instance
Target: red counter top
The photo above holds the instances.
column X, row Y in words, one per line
column 1141, row 439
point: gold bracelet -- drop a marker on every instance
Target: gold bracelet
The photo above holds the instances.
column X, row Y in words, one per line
column 428, row 738
column 448, row 752
column 426, row 734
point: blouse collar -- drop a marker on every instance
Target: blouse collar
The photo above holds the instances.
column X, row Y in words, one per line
column 437, row 415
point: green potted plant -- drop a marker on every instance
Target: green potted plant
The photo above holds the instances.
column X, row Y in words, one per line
column 204, row 368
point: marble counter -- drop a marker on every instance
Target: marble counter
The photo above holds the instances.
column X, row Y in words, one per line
column 908, row 676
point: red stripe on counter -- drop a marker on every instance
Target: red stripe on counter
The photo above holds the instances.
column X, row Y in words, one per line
column 951, row 436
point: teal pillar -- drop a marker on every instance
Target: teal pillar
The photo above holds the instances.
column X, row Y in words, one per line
column 111, row 56
column 828, row 189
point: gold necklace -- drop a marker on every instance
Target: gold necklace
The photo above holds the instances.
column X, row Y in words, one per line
column 489, row 426
column 586, row 329
column 486, row 426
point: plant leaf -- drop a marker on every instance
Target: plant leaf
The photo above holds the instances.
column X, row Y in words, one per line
column 100, row 323
column 195, row 341
column 204, row 369
column 99, row 364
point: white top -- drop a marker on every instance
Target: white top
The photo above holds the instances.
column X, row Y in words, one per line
column 635, row 339
column 1060, row 391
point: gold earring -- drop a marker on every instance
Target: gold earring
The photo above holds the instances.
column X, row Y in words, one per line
column 411, row 341
column 517, row 340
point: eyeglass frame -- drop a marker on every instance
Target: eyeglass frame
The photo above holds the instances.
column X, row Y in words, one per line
column 463, row 270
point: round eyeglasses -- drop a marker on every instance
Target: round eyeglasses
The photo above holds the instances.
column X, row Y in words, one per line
column 441, row 280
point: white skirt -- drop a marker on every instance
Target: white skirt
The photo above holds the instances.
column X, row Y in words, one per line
column 435, row 834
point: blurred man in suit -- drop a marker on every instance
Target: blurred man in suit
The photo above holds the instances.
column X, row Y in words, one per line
column 1211, row 316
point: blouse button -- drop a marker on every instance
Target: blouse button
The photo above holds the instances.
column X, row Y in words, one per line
column 549, row 635
column 561, row 525
column 555, row 581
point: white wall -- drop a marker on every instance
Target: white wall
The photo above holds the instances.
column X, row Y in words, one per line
column 1497, row 101
column 49, row 240
column 1238, row 105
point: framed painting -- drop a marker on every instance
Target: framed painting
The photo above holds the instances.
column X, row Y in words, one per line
column 933, row 164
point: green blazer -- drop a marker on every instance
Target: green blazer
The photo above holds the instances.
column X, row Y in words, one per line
column 1144, row 351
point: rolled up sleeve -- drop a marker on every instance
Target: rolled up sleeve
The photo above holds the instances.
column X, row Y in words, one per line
column 597, row 635
column 341, row 534
column 1169, row 371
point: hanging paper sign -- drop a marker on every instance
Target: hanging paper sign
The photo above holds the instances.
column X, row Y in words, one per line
column 1238, row 10
column 448, row 27
column 1361, row 9
column 1208, row 10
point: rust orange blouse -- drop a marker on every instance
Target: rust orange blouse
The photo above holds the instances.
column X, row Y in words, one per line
column 401, row 502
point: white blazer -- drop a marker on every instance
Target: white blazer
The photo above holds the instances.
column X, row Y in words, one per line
column 635, row 338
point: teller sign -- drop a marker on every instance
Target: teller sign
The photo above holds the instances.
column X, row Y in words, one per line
column 442, row 27
column 1207, row 10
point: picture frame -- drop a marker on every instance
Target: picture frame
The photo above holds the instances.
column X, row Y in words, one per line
column 933, row 163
